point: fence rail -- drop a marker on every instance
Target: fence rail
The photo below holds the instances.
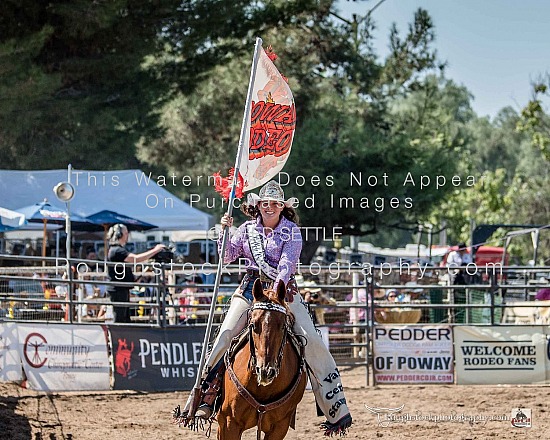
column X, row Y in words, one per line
column 351, row 301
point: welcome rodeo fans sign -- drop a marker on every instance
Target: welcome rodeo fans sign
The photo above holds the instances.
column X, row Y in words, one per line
column 505, row 354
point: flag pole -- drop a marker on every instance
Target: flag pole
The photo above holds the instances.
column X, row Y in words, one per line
column 196, row 389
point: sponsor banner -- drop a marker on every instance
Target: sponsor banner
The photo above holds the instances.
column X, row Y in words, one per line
column 10, row 361
column 547, row 353
column 500, row 355
column 156, row 359
column 64, row 357
column 413, row 354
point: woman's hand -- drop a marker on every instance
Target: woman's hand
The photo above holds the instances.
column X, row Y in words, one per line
column 226, row 221
column 159, row 248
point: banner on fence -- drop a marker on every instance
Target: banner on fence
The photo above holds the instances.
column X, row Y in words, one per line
column 413, row 354
column 156, row 359
column 61, row 357
column 500, row 355
column 547, row 353
column 10, row 361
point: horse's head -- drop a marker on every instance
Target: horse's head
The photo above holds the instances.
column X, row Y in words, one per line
column 269, row 319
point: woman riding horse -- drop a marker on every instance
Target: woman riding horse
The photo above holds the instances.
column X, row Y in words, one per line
column 271, row 243
column 265, row 374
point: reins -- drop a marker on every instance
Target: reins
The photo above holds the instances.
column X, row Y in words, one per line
column 261, row 408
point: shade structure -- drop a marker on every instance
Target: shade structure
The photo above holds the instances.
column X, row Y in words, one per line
column 44, row 212
column 10, row 219
column 108, row 218
column 132, row 192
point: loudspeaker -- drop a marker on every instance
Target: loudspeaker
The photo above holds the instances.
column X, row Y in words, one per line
column 64, row 191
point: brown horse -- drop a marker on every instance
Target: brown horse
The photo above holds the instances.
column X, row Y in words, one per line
column 265, row 380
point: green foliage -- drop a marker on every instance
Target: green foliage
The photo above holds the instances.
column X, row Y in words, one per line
column 74, row 88
column 488, row 201
column 512, row 184
column 160, row 84
column 496, row 144
column 535, row 121
column 355, row 115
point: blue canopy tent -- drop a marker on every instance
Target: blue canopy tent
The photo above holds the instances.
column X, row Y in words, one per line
column 44, row 212
column 10, row 219
column 132, row 192
column 108, row 218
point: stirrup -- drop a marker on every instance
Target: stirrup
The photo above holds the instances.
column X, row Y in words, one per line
column 204, row 412
column 341, row 427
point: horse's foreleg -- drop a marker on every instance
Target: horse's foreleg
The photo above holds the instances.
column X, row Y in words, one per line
column 228, row 429
column 278, row 431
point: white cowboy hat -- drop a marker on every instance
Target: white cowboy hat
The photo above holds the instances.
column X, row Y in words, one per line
column 272, row 191
column 311, row 286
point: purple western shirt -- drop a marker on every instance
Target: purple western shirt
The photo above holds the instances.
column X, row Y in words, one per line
column 282, row 247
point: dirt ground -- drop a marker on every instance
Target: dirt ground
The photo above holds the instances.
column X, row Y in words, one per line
column 26, row 414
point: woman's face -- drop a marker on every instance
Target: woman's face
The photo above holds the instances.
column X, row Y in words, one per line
column 125, row 235
column 270, row 209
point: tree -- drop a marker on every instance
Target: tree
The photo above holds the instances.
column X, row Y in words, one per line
column 495, row 143
column 86, row 82
column 355, row 115
column 511, row 185
column 74, row 85
column 535, row 121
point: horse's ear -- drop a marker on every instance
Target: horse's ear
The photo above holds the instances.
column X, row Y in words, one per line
column 258, row 290
column 281, row 291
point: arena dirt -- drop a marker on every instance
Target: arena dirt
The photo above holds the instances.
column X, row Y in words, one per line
column 430, row 412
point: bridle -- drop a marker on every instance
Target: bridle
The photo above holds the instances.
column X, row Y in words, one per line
column 243, row 392
column 272, row 307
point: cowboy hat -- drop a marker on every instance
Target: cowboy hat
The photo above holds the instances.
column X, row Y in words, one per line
column 311, row 286
column 271, row 191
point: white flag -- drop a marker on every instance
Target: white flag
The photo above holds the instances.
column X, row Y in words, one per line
column 270, row 126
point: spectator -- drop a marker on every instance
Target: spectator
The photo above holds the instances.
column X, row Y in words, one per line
column 455, row 260
column 188, row 297
column 392, row 295
column 411, row 287
column 543, row 294
column 358, row 315
column 118, row 237
column 312, row 295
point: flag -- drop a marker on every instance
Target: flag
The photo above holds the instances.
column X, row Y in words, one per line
column 270, row 125
column 268, row 129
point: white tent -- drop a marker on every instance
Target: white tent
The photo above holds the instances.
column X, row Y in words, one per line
column 128, row 192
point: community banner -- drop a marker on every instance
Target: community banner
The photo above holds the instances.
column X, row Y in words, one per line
column 156, row 359
column 500, row 355
column 61, row 357
column 10, row 361
column 270, row 125
column 413, row 354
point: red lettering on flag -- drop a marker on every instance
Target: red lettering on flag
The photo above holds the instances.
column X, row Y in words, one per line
column 271, row 129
